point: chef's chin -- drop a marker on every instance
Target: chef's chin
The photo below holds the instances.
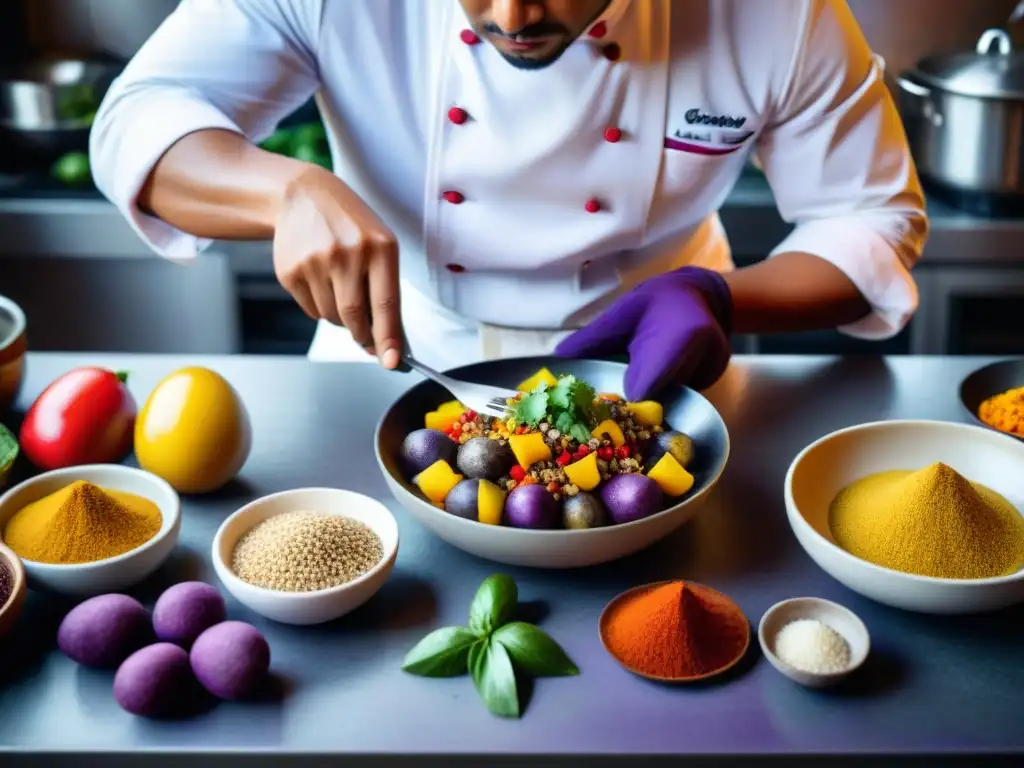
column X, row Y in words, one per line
column 539, row 60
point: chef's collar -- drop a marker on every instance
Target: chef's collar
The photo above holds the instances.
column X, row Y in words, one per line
column 603, row 28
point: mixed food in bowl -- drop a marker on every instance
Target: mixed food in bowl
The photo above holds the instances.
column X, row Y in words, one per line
column 562, row 456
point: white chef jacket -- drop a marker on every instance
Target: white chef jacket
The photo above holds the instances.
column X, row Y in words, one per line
column 525, row 201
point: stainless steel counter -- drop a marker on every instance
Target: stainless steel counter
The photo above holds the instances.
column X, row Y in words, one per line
column 933, row 689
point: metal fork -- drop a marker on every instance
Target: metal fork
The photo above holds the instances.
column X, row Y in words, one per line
column 482, row 398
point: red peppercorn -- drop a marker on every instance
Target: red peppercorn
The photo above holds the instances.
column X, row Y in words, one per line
column 554, row 487
column 582, row 451
column 623, row 452
column 564, row 459
column 606, row 453
column 517, row 473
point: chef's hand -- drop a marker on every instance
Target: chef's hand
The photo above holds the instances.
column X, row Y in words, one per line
column 340, row 261
column 675, row 328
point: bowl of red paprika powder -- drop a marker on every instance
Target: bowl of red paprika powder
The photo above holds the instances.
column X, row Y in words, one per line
column 675, row 632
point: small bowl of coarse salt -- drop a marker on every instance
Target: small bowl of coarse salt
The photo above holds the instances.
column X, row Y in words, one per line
column 815, row 642
column 306, row 556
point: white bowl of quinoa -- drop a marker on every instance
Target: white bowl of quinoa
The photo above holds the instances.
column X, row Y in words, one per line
column 489, row 521
column 308, row 555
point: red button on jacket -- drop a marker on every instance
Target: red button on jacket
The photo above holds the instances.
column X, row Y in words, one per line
column 593, row 205
column 454, row 197
column 612, row 52
column 458, row 115
column 469, row 37
column 599, row 30
column 612, row 135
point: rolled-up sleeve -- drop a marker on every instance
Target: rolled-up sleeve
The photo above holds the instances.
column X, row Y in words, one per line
column 836, row 157
column 235, row 65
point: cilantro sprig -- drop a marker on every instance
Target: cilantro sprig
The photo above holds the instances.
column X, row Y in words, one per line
column 569, row 406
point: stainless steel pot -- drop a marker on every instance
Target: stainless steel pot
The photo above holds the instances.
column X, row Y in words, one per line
column 964, row 117
column 47, row 106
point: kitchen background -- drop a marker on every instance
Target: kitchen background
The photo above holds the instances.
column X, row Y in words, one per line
column 88, row 283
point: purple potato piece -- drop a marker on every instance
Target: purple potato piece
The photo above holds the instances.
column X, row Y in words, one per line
column 230, row 660
column 531, row 506
column 463, row 500
column 630, row 497
column 186, row 610
column 155, row 681
column 485, row 459
column 583, row 511
column 104, row 631
column 424, row 447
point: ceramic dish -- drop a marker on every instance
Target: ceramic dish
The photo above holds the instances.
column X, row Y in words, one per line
column 722, row 602
column 988, row 381
column 685, row 410
column 826, row 466
column 114, row 573
column 307, row 607
column 10, row 609
column 13, row 346
column 842, row 620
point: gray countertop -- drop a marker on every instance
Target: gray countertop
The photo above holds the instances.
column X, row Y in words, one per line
column 932, row 686
column 84, row 227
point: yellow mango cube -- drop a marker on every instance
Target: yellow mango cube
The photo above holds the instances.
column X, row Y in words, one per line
column 670, row 476
column 529, row 448
column 584, row 473
column 490, row 503
column 437, row 480
column 543, row 376
column 610, row 428
column 444, row 416
column 647, row 412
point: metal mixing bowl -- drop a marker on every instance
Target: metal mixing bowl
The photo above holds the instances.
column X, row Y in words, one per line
column 47, row 106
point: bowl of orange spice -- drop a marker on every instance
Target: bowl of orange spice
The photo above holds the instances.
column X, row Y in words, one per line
column 91, row 529
column 675, row 632
column 993, row 396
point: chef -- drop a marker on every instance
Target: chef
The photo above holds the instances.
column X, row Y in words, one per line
column 521, row 177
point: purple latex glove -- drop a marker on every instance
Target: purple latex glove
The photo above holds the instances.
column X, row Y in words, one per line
column 675, row 328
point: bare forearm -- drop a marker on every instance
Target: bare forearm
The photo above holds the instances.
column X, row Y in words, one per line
column 217, row 184
column 793, row 292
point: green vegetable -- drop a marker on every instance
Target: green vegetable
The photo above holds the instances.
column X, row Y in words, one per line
column 493, row 605
column 534, row 651
column 73, row 169
column 491, row 649
column 569, row 405
column 280, row 142
column 8, row 451
column 309, row 154
column 442, row 653
column 311, row 135
column 494, row 678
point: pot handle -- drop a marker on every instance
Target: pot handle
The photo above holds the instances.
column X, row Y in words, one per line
column 994, row 38
column 913, row 87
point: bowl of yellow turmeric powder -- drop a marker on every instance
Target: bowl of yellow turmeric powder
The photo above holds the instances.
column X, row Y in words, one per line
column 91, row 529
column 920, row 515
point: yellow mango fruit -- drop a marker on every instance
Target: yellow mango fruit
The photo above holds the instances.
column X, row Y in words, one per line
column 444, row 416
column 529, row 448
column 670, row 476
column 437, row 480
column 490, row 503
column 647, row 412
column 610, row 428
column 584, row 473
column 543, row 376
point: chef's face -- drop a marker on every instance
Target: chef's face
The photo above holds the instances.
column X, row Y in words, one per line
column 531, row 34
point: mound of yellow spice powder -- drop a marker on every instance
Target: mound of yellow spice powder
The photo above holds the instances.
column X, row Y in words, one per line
column 82, row 523
column 932, row 522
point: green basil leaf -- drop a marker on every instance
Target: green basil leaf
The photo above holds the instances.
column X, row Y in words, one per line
column 564, row 422
column 579, row 433
column 442, row 653
column 494, row 678
column 493, row 604
column 533, row 650
column 8, row 448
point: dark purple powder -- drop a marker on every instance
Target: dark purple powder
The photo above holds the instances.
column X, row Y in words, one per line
column 6, row 583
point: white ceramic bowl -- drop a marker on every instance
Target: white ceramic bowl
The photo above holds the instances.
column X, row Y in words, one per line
column 842, row 620
column 826, row 466
column 307, row 607
column 12, row 351
column 114, row 573
column 685, row 410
